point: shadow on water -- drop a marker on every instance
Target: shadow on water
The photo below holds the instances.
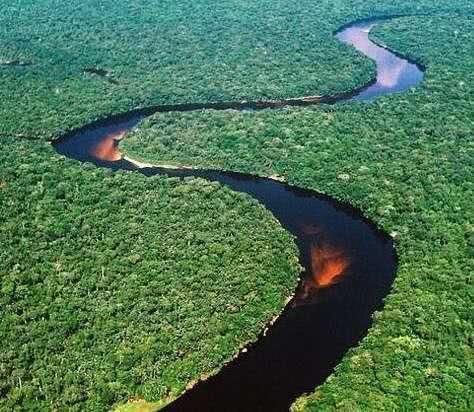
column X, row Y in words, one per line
column 349, row 264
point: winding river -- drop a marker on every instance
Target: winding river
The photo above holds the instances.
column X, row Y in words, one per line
column 349, row 263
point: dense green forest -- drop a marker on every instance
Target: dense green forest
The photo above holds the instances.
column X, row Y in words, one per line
column 117, row 284
column 114, row 286
column 406, row 161
column 173, row 51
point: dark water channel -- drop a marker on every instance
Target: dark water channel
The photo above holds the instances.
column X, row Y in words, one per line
column 349, row 264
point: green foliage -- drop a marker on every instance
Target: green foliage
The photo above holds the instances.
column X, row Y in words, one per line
column 406, row 161
column 139, row 406
column 116, row 285
column 164, row 51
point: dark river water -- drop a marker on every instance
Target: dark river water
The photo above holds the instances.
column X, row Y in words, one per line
column 349, row 263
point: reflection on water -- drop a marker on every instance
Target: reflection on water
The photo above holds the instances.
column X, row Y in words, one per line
column 328, row 264
column 394, row 73
column 107, row 149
